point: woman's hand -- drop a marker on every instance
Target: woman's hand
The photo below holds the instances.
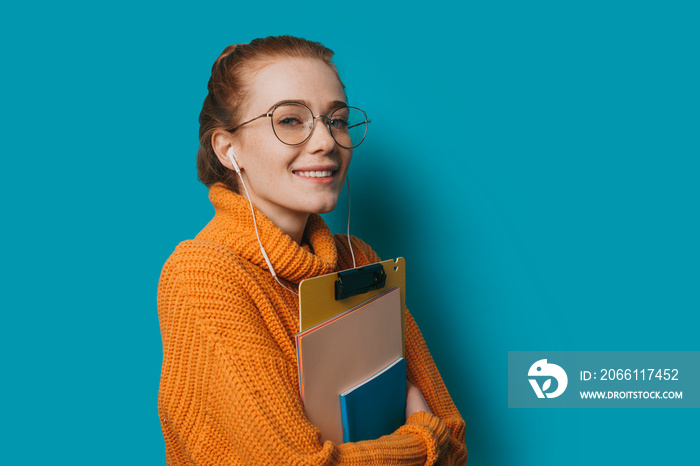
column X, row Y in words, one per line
column 415, row 401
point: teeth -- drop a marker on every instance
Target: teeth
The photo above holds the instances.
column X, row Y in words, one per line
column 316, row 174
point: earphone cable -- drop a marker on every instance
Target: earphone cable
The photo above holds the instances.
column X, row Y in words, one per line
column 262, row 249
column 352, row 253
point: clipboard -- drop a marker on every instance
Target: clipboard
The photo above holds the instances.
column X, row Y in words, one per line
column 317, row 301
column 344, row 341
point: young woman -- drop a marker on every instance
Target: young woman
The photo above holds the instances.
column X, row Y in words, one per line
column 275, row 147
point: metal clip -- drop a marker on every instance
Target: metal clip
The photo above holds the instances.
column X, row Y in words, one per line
column 359, row 280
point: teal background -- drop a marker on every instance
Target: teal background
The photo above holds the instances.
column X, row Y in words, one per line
column 536, row 163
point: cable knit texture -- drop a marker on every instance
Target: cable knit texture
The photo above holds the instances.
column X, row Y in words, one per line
column 229, row 389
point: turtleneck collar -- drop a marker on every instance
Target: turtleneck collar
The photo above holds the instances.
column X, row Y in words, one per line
column 232, row 226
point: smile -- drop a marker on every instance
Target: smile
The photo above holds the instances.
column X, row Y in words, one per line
column 315, row 174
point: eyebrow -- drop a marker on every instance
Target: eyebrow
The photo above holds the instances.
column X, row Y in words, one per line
column 333, row 105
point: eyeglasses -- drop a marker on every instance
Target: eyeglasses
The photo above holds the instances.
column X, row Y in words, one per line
column 293, row 123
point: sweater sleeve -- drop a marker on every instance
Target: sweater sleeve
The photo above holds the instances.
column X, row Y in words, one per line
column 229, row 394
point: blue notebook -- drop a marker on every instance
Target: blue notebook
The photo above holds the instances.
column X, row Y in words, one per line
column 376, row 406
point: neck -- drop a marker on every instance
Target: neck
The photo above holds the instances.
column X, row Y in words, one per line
column 294, row 226
column 292, row 223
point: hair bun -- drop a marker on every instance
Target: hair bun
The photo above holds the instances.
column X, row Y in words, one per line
column 227, row 51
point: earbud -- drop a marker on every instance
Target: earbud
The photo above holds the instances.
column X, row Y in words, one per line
column 232, row 158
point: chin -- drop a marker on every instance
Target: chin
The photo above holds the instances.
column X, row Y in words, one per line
column 323, row 207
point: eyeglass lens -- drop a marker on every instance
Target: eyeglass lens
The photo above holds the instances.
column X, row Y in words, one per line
column 293, row 124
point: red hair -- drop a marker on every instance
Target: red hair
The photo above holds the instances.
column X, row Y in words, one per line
column 231, row 76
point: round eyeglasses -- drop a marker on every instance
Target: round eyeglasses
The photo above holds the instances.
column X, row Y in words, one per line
column 293, row 123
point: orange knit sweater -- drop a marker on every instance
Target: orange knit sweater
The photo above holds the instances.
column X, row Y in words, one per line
column 229, row 389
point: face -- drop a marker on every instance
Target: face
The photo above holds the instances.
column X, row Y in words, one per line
column 285, row 181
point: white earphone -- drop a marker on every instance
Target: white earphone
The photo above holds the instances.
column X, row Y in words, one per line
column 232, row 158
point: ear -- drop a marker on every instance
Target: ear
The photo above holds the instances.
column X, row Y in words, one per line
column 222, row 142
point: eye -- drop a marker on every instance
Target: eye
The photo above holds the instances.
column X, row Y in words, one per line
column 339, row 123
column 289, row 120
column 339, row 119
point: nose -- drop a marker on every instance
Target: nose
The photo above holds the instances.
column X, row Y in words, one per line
column 321, row 139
